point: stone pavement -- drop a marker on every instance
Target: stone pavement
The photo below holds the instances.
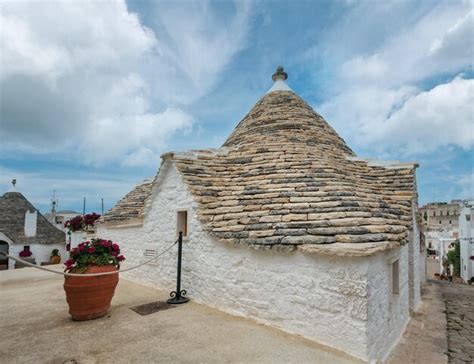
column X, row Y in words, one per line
column 459, row 300
column 35, row 328
column 442, row 330
column 424, row 340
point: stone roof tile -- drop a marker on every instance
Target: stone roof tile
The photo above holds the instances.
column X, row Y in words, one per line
column 13, row 206
column 131, row 205
column 284, row 177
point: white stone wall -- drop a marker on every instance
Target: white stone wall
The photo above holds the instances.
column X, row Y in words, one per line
column 423, row 272
column 388, row 313
column 414, row 257
column 322, row 298
column 76, row 238
column 41, row 252
column 466, row 236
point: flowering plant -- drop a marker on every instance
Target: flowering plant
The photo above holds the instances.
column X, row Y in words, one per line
column 94, row 252
column 25, row 253
column 81, row 222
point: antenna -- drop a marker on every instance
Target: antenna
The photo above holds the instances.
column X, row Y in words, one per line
column 53, row 207
column 84, row 207
column 54, row 201
column 102, row 200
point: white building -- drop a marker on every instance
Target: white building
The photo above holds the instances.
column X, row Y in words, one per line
column 286, row 226
column 22, row 225
column 59, row 218
column 441, row 216
column 466, row 239
column 440, row 242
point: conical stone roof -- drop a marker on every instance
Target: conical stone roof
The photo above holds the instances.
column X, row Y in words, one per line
column 282, row 117
column 13, row 206
column 285, row 178
column 131, row 205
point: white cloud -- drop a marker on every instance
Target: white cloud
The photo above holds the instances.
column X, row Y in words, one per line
column 197, row 42
column 54, row 39
column 439, row 41
column 107, row 140
column 88, row 76
column 428, row 120
column 456, row 43
column 378, row 101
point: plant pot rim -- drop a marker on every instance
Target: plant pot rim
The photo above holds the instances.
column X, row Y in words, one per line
column 92, row 266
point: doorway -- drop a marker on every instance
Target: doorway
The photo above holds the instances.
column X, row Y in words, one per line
column 4, row 248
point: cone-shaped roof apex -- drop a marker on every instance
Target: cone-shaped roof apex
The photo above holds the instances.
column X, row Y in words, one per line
column 281, row 116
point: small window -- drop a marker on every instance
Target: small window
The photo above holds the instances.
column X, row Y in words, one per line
column 448, row 213
column 440, row 221
column 182, row 223
column 395, row 278
column 468, row 217
column 450, row 222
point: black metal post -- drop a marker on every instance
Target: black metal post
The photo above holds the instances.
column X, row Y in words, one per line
column 177, row 297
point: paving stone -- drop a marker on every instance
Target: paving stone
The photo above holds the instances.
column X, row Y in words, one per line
column 459, row 301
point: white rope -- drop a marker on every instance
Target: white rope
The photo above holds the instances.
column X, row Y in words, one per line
column 87, row 274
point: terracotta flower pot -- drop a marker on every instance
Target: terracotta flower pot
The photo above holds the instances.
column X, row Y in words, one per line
column 55, row 259
column 90, row 297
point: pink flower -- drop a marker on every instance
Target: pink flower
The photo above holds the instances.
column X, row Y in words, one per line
column 69, row 263
column 115, row 247
column 120, row 258
column 25, row 253
column 91, row 250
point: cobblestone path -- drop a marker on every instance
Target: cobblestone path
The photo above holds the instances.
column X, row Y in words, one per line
column 459, row 300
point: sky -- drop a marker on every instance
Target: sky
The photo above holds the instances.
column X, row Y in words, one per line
column 93, row 92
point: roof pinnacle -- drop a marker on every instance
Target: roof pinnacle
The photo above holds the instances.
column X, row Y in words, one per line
column 279, row 78
column 280, row 74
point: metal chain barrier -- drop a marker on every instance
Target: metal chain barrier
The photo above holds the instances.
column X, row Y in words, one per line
column 87, row 274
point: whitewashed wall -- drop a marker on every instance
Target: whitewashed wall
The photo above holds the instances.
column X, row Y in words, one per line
column 414, row 258
column 76, row 237
column 322, row 298
column 466, row 234
column 388, row 313
column 41, row 252
column 423, row 272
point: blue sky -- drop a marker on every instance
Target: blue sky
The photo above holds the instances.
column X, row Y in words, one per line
column 91, row 93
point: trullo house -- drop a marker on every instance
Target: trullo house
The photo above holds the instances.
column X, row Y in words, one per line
column 284, row 224
column 23, row 227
